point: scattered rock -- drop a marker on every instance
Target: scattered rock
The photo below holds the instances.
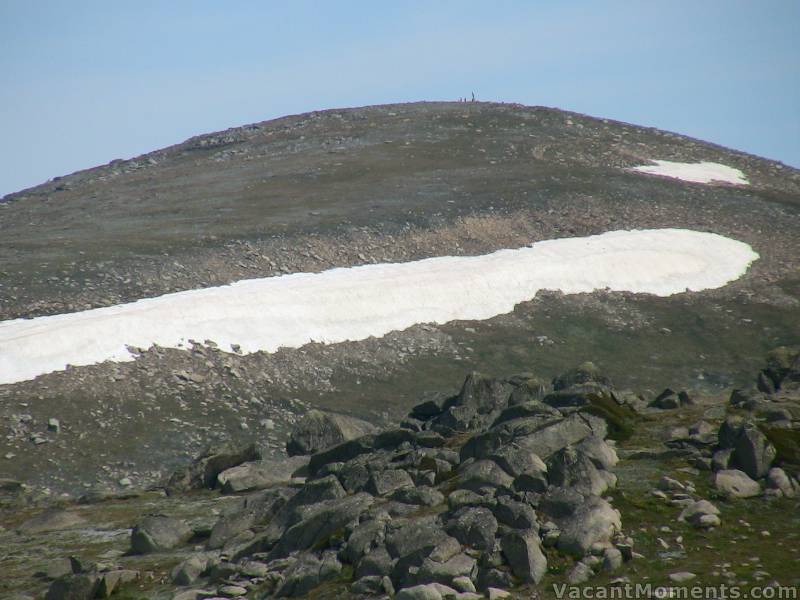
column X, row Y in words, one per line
column 667, row 483
column 358, row 501
column 701, row 514
column 708, row 521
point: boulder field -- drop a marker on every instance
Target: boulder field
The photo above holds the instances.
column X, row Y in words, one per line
column 471, row 495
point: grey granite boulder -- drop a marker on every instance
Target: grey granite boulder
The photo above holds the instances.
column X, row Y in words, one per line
column 259, row 475
column 736, row 484
column 483, row 473
column 319, row 430
column 512, row 513
column 473, row 526
column 319, row 522
column 777, row 479
column 377, row 562
column 695, row 513
column 516, row 460
column 571, row 468
column 752, row 451
column 364, row 538
column 190, row 570
column 372, row 586
column 444, row 571
column 531, row 408
column 203, row 471
column 82, row 586
column 484, row 394
column 158, row 533
column 253, row 510
column 385, row 482
column 307, row 573
column 599, row 451
column 415, row 539
column 583, row 374
column 582, row 520
column 419, row 592
column 523, row 551
column 421, row 496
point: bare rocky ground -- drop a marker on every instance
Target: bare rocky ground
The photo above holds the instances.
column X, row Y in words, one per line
column 356, row 186
column 511, row 487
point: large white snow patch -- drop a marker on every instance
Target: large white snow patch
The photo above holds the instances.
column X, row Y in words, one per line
column 372, row 300
column 702, row 172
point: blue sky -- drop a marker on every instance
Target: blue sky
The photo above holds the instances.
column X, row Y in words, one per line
column 84, row 82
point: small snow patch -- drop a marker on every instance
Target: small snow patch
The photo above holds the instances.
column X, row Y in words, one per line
column 702, row 172
column 372, row 300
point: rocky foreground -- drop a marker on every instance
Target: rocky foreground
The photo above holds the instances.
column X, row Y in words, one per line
column 481, row 494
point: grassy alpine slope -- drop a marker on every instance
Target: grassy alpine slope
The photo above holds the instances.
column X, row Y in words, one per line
column 368, row 185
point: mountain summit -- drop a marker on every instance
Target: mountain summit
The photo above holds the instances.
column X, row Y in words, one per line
column 169, row 322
